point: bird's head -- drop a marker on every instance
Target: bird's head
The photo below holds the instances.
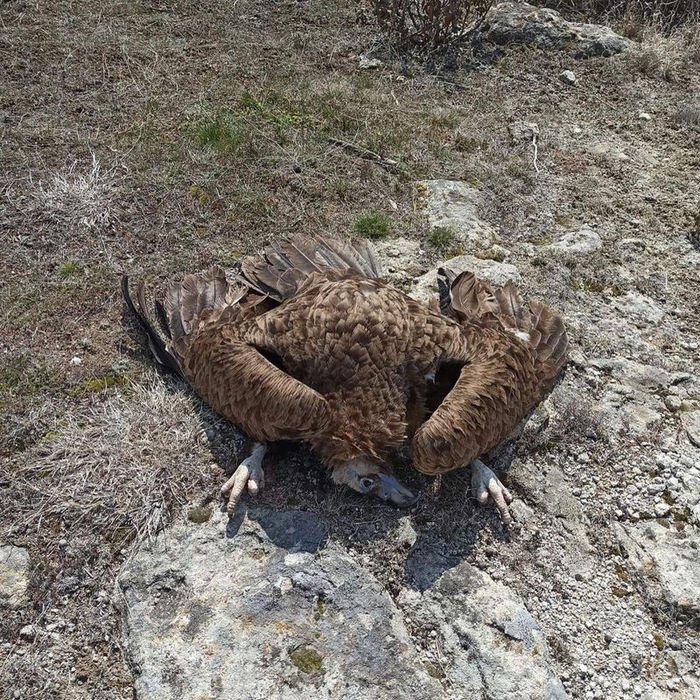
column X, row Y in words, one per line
column 366, row 476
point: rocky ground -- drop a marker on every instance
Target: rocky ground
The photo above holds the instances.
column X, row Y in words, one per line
column 158, row 139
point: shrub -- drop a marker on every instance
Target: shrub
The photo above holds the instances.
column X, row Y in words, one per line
column 373, row 226
column 429, row 23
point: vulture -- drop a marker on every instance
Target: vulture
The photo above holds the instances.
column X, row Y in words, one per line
column 308, row 343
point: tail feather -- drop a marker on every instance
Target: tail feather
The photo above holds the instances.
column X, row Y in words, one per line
column 285, row 265
column 155, row 342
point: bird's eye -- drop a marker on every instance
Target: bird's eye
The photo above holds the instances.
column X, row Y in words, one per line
column 367, row 483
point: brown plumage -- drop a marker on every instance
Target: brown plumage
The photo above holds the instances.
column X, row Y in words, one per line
column 310, row 344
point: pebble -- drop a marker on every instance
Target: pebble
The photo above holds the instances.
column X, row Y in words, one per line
column 645, row 116
column 662, row 509
column 28, row 632
column 673, row 403
column 568, row 77
column 75, row 361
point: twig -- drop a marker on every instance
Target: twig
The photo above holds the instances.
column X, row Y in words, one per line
column 364, row 153
column 534, row 157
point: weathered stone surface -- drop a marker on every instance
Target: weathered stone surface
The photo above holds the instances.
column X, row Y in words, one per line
column 497, row 273
column 456, row 206
column 247, row 609
column 14, row 562
column 669, row 560
column 520, row 23
column 691, row 423
column 639, row 307
column 264, row 607
column 579, row 243
column 492, row 644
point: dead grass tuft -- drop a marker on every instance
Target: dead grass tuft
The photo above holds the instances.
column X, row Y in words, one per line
column 115, row 468
column 80, row 200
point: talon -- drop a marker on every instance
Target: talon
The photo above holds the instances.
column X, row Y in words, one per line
column 250, row 473
column 485, row 483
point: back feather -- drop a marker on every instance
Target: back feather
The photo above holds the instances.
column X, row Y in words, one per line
column 285, row 265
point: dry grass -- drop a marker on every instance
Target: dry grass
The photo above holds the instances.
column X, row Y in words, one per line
column 80, row 200
column 117, row 467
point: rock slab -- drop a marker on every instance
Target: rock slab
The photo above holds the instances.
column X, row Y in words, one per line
column 14, row 563
column 250, row 611
column 520, row 23
column 667, row 560
column 455, row 205
column 264, row 607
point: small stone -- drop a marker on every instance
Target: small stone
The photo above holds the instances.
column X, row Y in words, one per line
column 691, row 422
column 568, row 77
column 523, row 131
column 662, row 509
column 645, row 116
column 673, row 403
column 14, row 562
column 75, row 361
column 28, row 632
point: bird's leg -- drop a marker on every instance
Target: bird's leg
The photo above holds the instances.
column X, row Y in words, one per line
column 366, row 476
column 249, row 472
column 484, row 484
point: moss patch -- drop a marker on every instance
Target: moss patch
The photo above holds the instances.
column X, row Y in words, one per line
column 199, row 514
column 307, row 660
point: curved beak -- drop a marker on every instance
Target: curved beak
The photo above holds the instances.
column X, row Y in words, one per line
column 390, row 489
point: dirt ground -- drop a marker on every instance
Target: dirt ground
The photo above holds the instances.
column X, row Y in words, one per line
column 156, row 138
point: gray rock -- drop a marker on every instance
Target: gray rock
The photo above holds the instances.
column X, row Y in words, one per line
column 579, row 243
column 639, row 307
column 691, row 423
column 455, row 205
column 402, row 258
column 264, row 607
column 520, row 23
column 639, row 419
column 568, row 77
column 667, row 563
column 493, row 646
column 497, row 273
column 14, row 562
column 250, row 610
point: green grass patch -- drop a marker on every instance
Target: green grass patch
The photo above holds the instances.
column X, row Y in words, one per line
column 69, row 268
column 224, row 132
column 441, row 237
column 376, row 227
column 20, row 375
column 588, row 285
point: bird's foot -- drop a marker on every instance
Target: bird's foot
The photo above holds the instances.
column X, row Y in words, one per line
column 249, row 472
column 486, row 484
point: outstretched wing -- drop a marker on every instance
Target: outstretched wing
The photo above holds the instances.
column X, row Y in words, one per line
column 507, row 360
column 495, row 387
column 244, row 386
column 201, row 320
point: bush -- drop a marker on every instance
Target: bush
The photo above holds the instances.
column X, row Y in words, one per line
column 429, row 23
column 373, row 226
